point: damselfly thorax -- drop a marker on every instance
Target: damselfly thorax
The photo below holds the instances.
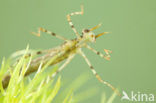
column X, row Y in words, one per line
column 68, row 48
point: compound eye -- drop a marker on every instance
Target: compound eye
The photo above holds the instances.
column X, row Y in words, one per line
column 86, row 30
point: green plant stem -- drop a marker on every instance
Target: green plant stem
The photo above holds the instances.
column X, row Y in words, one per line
column 34, row 65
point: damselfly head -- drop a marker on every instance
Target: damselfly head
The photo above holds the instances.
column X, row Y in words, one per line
column 89, row 35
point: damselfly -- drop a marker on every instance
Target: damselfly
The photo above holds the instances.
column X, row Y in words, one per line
column 69, row 49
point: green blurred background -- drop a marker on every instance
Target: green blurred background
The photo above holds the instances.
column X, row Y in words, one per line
column 133, row 38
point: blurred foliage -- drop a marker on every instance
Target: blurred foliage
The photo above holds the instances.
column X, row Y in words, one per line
column 41, row 88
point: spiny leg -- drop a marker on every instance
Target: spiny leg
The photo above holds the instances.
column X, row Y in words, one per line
column 62, row 67
column 48, row 32
column 97, row 76
column 70, row 22
column 107, row 56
